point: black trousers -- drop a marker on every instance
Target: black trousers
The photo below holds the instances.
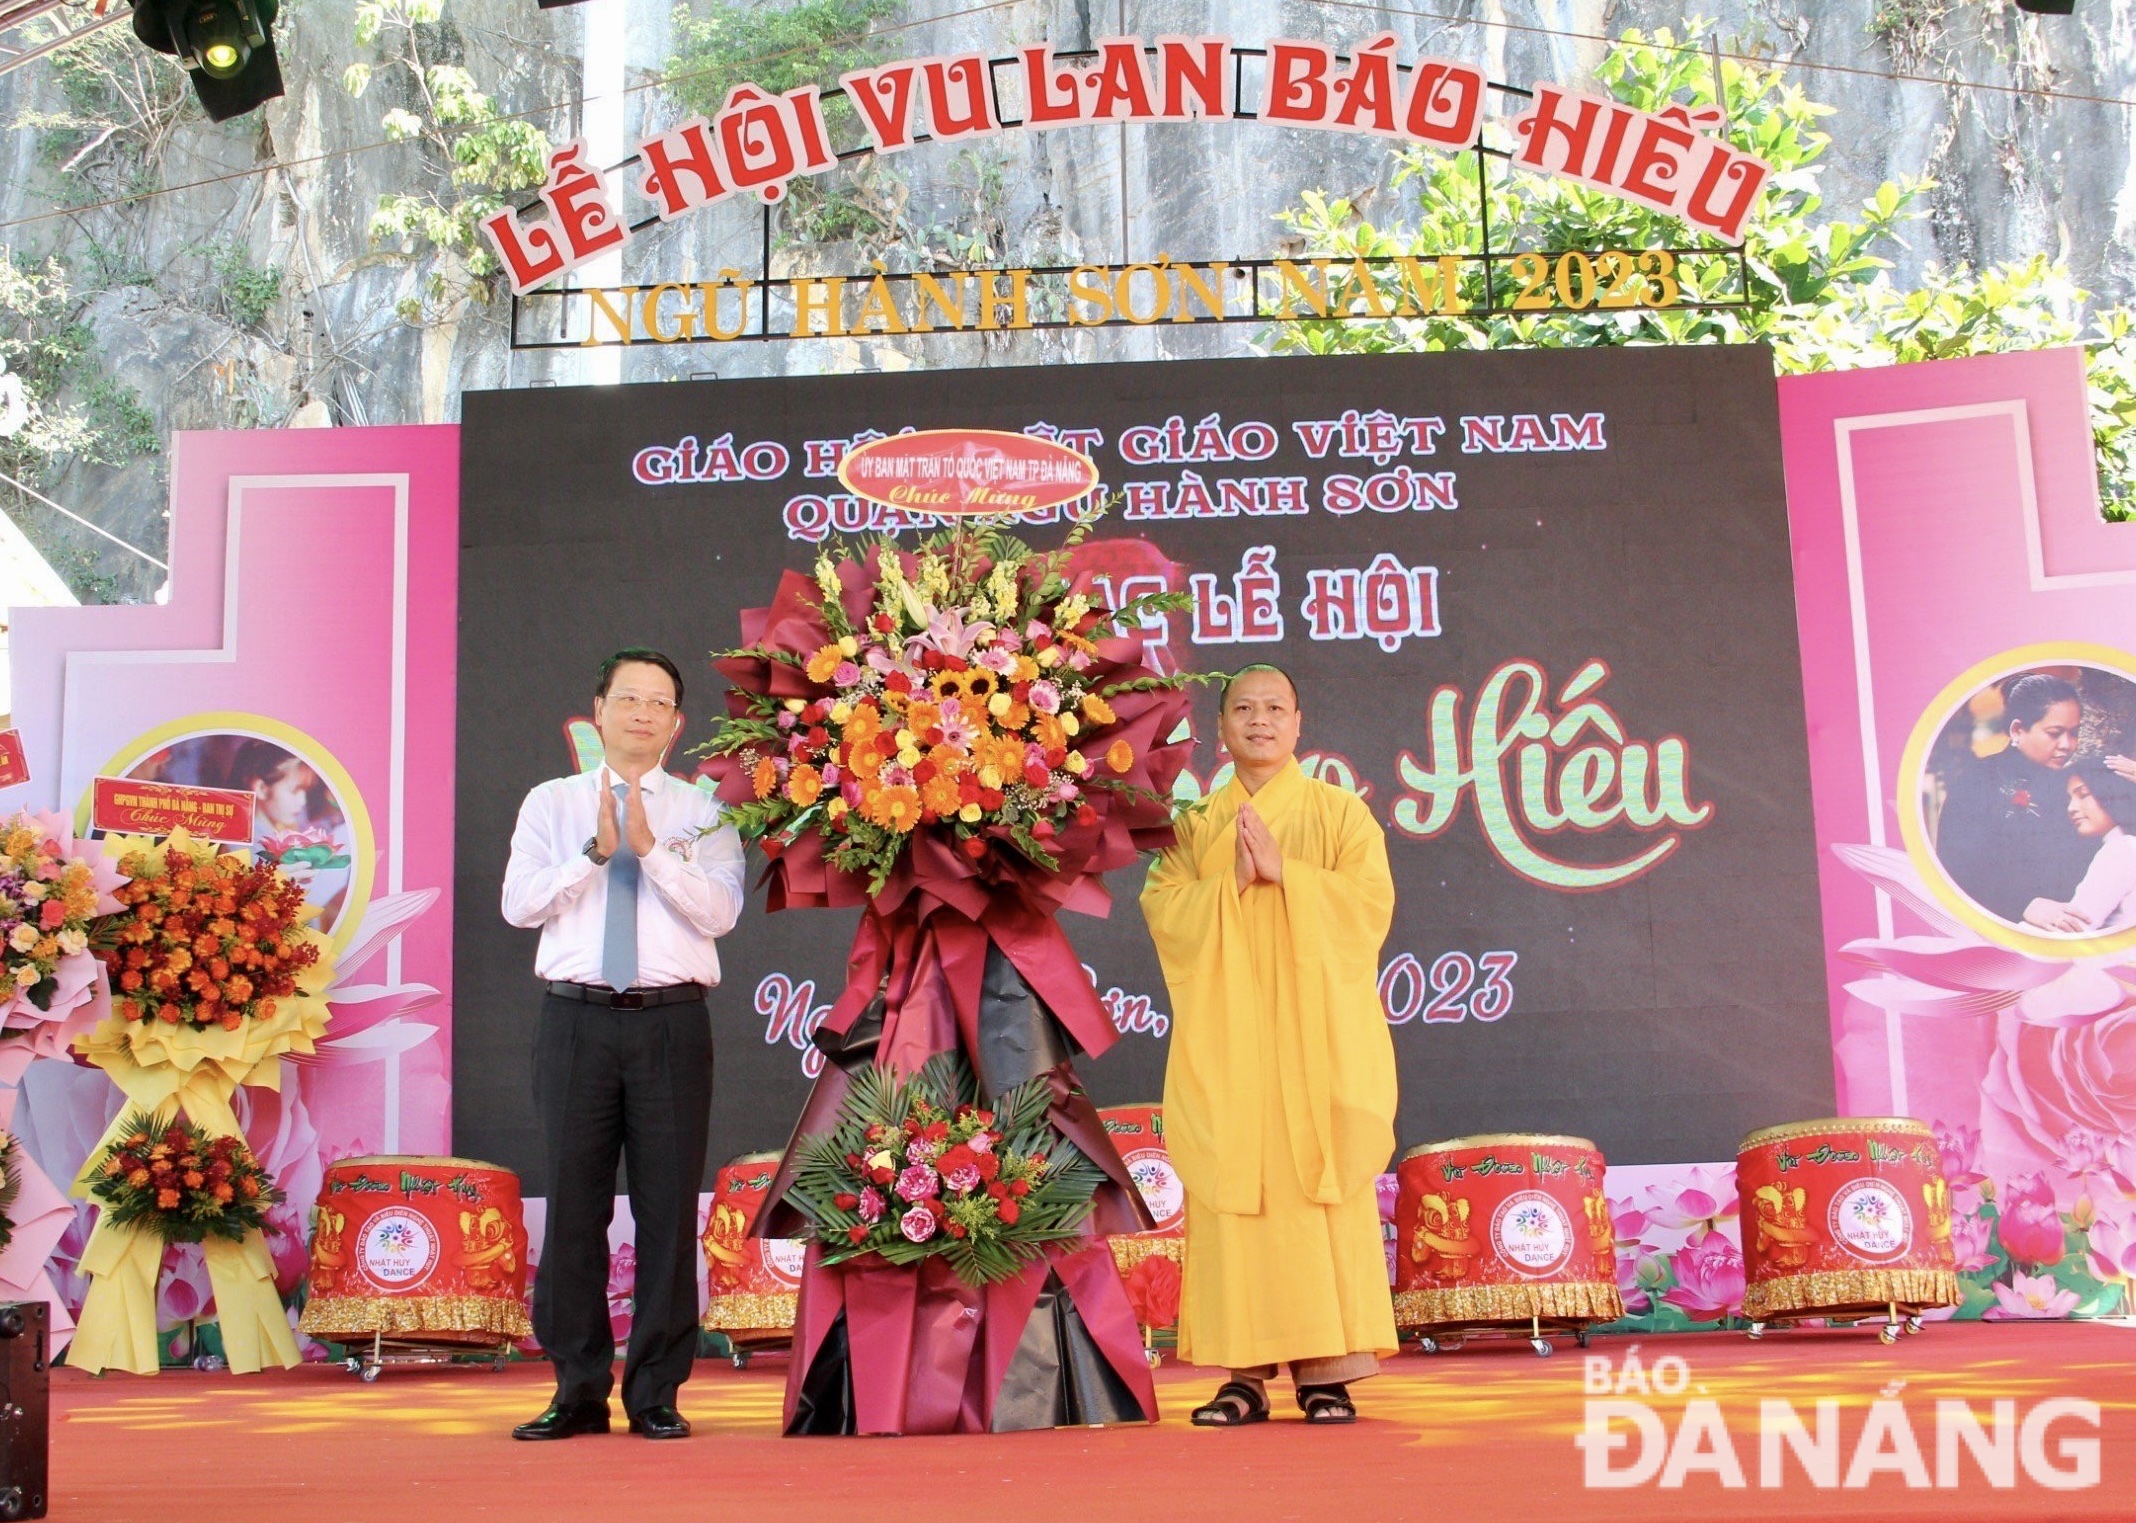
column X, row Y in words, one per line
column 634, row 1084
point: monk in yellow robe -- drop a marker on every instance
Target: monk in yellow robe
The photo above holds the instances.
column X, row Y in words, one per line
column 1279, row 1095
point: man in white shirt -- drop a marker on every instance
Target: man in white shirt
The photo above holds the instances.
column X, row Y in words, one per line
column 629, row 875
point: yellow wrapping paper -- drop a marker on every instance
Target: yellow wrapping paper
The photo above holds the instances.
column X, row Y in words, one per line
column 162, row 1070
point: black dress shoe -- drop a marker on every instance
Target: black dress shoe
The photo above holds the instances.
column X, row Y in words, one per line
column 660, row 1422
column 567, row 1419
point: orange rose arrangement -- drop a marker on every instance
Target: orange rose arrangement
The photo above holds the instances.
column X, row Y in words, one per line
column 204, row 937
column 179, row 1183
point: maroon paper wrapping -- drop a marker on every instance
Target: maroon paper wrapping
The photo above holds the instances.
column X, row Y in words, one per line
column 953, row 954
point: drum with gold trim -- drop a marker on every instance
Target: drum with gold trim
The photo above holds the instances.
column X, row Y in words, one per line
column 752, row 1281
column 1504, row 1229
column 418, row 1250
column 1844, row 1215
column 1152, row 1287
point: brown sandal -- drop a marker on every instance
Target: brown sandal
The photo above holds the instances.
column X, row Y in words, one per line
column 1326, row 1405
column 1234, row 1406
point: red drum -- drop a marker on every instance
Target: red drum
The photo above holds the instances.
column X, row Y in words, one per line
column 753, row 1281
column 1844, row 1215
column 418, row 1249
column 1150, row 1262
column 1503, row 1229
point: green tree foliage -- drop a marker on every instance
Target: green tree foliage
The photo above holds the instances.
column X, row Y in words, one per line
column 473, row 159
column 720, row 44
column 1820, row 289
column 77, row 412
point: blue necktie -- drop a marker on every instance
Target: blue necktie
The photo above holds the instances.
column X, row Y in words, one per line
column 619, row 939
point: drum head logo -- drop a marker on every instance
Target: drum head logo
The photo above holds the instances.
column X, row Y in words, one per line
column 1532, row 1233
column 398, row 1248
column 1871, row 1217
column 783, row 1257
column 1151, row 1170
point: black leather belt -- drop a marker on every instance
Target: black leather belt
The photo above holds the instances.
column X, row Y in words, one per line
column 628, row 999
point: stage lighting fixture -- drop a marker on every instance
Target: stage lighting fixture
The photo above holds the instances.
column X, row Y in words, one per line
column 227, row 46
column 2047, row 7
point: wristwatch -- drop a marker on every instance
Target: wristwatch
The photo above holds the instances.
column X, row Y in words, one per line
column 594, row 854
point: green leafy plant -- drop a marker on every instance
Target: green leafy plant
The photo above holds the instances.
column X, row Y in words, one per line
column 925, row 1166
column 1816, row 286
column 473, row 158
column 721, row 44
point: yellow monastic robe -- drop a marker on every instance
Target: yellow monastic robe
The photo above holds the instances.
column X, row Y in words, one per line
column 1279, row 1094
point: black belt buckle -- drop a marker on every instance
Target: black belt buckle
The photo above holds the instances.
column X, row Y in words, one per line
column 626, row 999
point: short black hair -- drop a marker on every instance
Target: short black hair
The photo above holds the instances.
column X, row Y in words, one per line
column 2115, row 793
column 631, row 653
column 1224, row 697
column 2027, row 700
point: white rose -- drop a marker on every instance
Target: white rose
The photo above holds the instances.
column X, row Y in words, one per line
column 34, row 892
column 26, row 975
column 73, row 942
column 24, row 937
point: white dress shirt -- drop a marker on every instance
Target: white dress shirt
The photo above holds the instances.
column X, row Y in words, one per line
column 2107, row 896
column 692, row 888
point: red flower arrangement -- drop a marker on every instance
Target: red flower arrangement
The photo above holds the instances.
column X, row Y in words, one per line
column 183, row 1185
column 204, row 937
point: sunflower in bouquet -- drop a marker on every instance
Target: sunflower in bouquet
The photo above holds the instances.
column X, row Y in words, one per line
column 205, row 938
column 962, row 689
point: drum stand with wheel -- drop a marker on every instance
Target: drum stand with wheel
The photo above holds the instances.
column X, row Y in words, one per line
column 383, row 1351
column 1888, row 1320
column 1450, row 1337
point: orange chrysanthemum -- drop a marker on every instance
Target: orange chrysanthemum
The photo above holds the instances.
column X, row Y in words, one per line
column 765, row 778
column 941, row 794
column 1120, row 756
column 822, row 664
column 1097, row 710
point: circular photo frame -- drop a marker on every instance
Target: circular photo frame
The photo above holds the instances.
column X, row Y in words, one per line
column 307, row 812
column 2012, row 808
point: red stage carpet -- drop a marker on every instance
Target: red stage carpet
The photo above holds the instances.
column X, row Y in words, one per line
column 1484, row 1434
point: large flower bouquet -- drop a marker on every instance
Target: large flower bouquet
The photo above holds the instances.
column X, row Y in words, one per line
column 918, row 1167
column 53, row 889
column 207, row 938
column 180, row 1183
column 958, row 697
column 47, row 901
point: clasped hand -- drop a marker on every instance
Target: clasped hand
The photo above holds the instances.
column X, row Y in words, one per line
column 1259, row 859
column 626, row 821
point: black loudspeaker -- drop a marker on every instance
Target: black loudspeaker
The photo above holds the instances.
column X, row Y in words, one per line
column 25, row 1408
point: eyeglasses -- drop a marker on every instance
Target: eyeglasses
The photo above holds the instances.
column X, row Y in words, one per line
column 631, row 703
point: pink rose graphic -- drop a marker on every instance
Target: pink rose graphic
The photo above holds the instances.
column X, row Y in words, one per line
column 1709, row 1279
column 2031, row 1228
column 918, row 1183
column 918, row 1224
column 2030, row 1296
column 964, row 1179
column 871, row 1205
column 622, row 1286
